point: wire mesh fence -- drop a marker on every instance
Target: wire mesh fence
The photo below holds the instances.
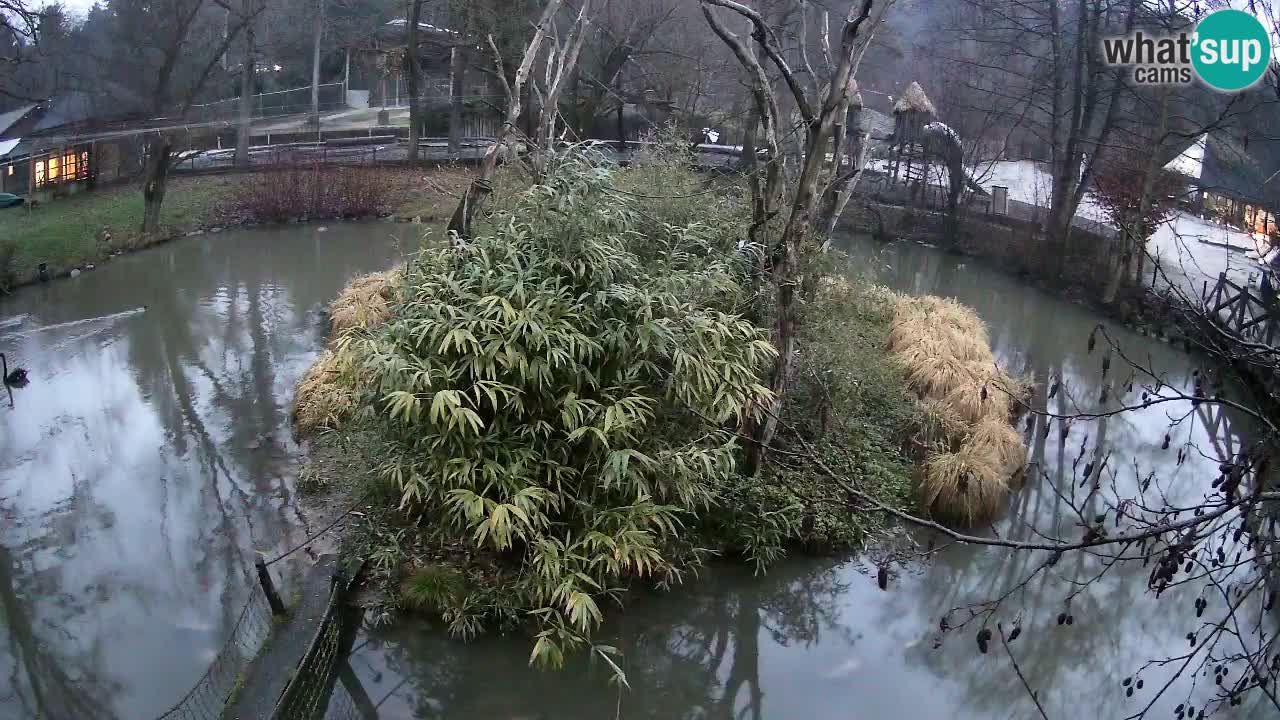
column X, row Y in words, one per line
column 307, row 695
column 206, row 700
column 272, row 104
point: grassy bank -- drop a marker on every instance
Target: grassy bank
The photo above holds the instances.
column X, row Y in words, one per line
column 89, row 227
column 86, row 228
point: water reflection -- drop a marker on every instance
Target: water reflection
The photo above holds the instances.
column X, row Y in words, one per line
column 149, row 453
column 817, row 639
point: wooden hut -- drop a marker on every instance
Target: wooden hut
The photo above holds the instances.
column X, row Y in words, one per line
column 911, row 113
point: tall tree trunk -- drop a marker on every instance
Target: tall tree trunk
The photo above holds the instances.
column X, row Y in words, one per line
column 460, row 225
column 317, row 37
column 1133, row 233
column 248, row 71
column 156, row 181
column 622, row 126
column 412, row 70
column 457, row 84
column 559, row 66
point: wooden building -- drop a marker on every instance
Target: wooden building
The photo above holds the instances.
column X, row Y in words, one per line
column 911, row 113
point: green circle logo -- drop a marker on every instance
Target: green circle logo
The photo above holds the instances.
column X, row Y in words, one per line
column 1231, row 50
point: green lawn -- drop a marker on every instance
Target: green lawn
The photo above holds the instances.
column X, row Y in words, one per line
column 68, row 232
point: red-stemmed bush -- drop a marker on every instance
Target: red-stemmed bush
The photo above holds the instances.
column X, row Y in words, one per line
column 311, row 192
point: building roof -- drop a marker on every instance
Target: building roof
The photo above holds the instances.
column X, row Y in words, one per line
column 9, row 119
column 877, row 125
column 914, row 100
column 110, row 102
column 1190, row 160
column 422, row 26
column 1221, row 163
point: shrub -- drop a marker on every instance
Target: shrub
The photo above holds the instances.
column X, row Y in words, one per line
column 311, row 192
column 561, row 403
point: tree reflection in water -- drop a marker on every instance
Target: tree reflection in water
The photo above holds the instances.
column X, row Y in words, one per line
column 152, row 453
column 52, row 674
column 696, row 658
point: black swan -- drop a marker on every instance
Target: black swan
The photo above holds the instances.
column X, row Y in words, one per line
column 17, row 377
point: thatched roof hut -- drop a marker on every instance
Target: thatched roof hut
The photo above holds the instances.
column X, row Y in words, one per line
column 914, row 100
column 910, row 114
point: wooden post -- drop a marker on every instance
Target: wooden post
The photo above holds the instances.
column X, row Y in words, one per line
column 268, row 587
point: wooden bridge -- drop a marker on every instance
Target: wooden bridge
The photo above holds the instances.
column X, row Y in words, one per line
column 1245, row 311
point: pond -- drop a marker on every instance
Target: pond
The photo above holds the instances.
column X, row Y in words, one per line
column 152, row 451
column 816, row 638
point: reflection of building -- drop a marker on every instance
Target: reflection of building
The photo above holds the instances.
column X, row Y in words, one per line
column 1231, row 182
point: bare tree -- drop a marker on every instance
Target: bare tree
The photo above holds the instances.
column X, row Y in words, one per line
column 819, row 112
column 413, row 73
column 316, row 39
column 460, row 225
column 560, row 64
column 19, row 21
column 182, row 67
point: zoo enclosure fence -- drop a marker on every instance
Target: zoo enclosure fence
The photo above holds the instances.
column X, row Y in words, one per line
column 205, row 701
column 272, row 104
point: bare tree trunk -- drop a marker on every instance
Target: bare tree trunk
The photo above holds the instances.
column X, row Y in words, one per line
column 1134, row 233
column 560, row 65
column 317, row 37
column 621, row 123
column 248, row 71
column 159, row 148
column 457, row 82
column 460, row 225
column 819, row 125
column 412, row 69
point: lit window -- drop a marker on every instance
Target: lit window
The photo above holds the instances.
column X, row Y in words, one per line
column 10, row 171
column 54, row 168
column 69, row 166
column 84, row 164
column 40, row 174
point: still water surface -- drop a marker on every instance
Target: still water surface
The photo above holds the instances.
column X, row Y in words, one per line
column 149, row 454
column 152, row 451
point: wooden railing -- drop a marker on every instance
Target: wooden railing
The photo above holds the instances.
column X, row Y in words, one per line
column 1248, row 312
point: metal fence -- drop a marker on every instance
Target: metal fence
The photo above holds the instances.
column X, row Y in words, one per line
column 307, row 694
column 206, row 700
column 370, row 151
column 280, row 102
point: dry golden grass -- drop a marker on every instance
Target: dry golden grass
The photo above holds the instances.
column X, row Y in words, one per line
column 944, row 321
column 325, row 396
column 996, row 439
column 328, row 393
column 969, row 400
column 963, row 488
column 364, row 303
